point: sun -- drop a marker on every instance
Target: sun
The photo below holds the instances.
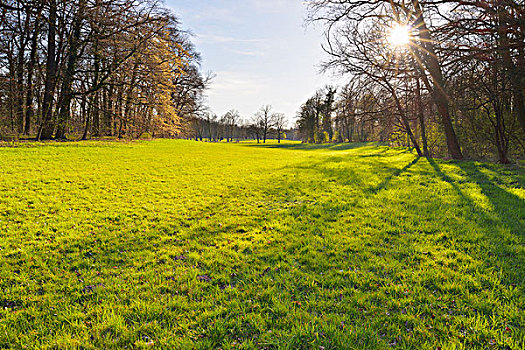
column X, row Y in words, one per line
column 399, row 35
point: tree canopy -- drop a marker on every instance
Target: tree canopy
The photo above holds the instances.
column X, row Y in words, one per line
column 93, row 68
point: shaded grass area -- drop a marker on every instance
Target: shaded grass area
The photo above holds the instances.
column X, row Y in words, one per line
column 178, row 245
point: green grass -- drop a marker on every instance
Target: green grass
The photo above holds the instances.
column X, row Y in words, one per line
column 181, row 245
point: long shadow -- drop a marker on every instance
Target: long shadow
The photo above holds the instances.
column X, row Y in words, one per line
column 508, row 207
column 313, row 147
column 346, row 174
column 444, row 177
column 508, row 211
column 389, row 178
column 503, row 201
column 375, row 154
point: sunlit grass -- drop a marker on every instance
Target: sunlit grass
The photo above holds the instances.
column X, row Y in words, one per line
column 178, row 245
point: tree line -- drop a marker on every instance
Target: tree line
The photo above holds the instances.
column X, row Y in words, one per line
column 456, row 88
column 94, row 68
column 230, row 127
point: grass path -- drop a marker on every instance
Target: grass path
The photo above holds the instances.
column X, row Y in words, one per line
column 180, row 245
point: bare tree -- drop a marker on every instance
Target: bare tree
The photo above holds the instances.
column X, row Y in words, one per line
column 96, row 68
column 264, row 120
column 279, row 125
column 231, row 119
column 351, row 19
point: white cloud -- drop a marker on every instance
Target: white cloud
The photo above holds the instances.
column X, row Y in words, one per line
column 208, row 13
column 220, row 39
column 274, row 6
column 247, row 53
column 237, row 82
column 238, row 90
column 247, row 47
column 259, row 51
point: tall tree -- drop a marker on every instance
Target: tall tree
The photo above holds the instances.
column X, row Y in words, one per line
column 48, row 127
column 69, row 73
column 96, row 68
column 265, row 120
column 349, row 22
column 280, row 125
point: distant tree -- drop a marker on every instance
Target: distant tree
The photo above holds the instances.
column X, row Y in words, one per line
column 264, row 120
column 345, row 118
column 231, row 119
column 279, row 125
column 315, row 116
column 327, row 108
column 308, row 119
column 213, row 126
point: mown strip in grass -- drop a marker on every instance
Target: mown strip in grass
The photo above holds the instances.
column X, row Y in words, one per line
column 178, row 244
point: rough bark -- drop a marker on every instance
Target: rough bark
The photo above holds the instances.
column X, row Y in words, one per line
column 511, row 69
column 48, row 127
column 439, row 94
column 67, row 83
column 421, row 117
column 30, row 72
column 406, row 123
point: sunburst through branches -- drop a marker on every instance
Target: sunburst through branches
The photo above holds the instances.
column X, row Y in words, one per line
column 399, row 35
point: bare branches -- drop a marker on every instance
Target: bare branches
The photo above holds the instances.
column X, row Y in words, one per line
column 100, row 67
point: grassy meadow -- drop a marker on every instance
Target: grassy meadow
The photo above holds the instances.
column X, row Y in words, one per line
column 185, row 245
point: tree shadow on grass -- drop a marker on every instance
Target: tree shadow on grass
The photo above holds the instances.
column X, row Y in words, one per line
column 394, row 174
column 508, row 210
column 508, row 207
column 351, row 169
column 313, row 147
column 375, row 154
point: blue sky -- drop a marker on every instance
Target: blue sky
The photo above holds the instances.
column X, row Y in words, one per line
column 259, row 50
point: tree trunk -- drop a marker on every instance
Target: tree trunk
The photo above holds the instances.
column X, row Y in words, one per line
column 501, row 139
column 438, row 92
column 24, row 36
column 406, row 123
column 421, row 117
column 67, row 93
column 30, row 71
column 96, row 106
column 47, row 127
column 90, row 110
column 511, row 69
column 20, row 88
column 109, row 110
